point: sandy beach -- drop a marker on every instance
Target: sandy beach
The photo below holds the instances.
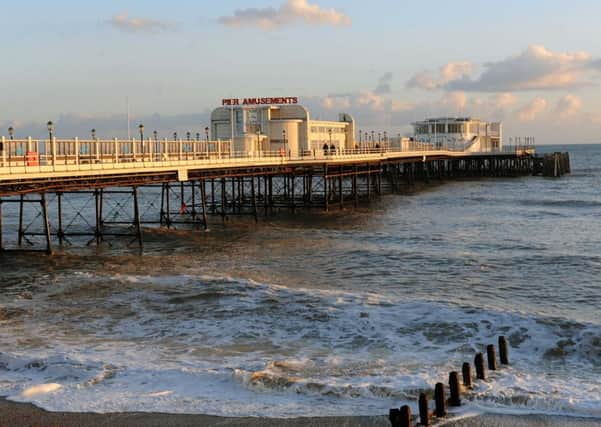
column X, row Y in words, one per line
column 14, row 414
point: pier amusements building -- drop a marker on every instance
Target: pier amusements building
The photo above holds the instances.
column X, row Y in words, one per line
column 279, row 125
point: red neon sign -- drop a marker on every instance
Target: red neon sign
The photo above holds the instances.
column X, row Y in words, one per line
column 260, row 101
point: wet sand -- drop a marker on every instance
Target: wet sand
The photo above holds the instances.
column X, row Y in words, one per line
column 24, row 414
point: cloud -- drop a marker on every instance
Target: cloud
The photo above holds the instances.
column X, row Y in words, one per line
column 455, row 101
column 568, row 106
column 531, row 110
column 290, row 13
column 123, row 22
column 449, row 72
column 384, row 84
column 536, row 68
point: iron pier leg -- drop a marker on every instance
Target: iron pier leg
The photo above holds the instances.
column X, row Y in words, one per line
column 162, row 211
column 203, row 196
column 355, row 192
column 325, row 186
column 267, row 195
column 340, row 193
column 213, row 207
column 97, row 231
column 168, row 205
column 193, row 202
column 223, row 198
column 137, row 217
column 1, row 243
column 252, row 190
column 60, row 232
column 20, row 236
column 46, row 223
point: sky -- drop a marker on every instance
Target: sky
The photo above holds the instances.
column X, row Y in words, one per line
column 533, row 64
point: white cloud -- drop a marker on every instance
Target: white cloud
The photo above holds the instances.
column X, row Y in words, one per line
column 503, row 100
column 568, row 106
column 448, row 72
column 536, row 68
column 454, row 101
column 290, row 13
column 530, row 111
column 138, row 25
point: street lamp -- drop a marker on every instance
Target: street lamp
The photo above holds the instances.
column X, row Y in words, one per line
column 141, row 129
column 198, row 136
column 188, row 135
column 175, row 136
column 50, row 127
column 11, row 133
column 330, row 133
column 284, row 135
column 207, row 133
column 155, row 134
column 373, row 136
column 360, row 136
column 93, row 132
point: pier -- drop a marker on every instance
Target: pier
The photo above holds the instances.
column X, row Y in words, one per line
column 191, row 180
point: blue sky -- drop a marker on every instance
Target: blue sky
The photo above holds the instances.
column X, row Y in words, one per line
column 533, row 64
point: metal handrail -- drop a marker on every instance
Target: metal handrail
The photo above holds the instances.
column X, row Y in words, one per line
column 19, row 156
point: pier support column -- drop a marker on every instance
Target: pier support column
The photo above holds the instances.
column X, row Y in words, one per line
column 325, row 186
column 137, row 223
column 46, row 223
column 20, row 231
column 1, row 241
column 203, row 196
column 97, row 230
column 60, row 233
column 254, row 198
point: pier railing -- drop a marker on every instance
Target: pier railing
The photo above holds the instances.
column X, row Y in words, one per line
column 48, row 155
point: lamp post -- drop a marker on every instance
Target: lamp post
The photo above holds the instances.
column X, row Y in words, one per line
column 373, row 136
column 198, row 136
column 284, row 135
column 207, row 133
column 50, row 127
column 11, row 135
column 188, row 134
column 155, row 135
column 141, row 129
column 360, row 136
column 175, row 136
column 93, row 133
column 330, row 133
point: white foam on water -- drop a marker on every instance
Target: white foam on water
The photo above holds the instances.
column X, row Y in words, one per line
column 224, row 346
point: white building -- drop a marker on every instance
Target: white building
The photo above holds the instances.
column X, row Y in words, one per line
column 460, row 133
column 279, row 125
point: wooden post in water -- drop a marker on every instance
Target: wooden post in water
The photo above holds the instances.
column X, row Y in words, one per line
column 503, row 351
column 405, row 416
column 492, row 357
column 440, row 400
column 394, row 415
column 424, row 410
column 455, row 399
column 479, row 362
column 467, row 375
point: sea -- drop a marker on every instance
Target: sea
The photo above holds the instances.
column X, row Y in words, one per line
column 350, row 312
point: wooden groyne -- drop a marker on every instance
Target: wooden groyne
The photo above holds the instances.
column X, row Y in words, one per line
column 428, row 416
